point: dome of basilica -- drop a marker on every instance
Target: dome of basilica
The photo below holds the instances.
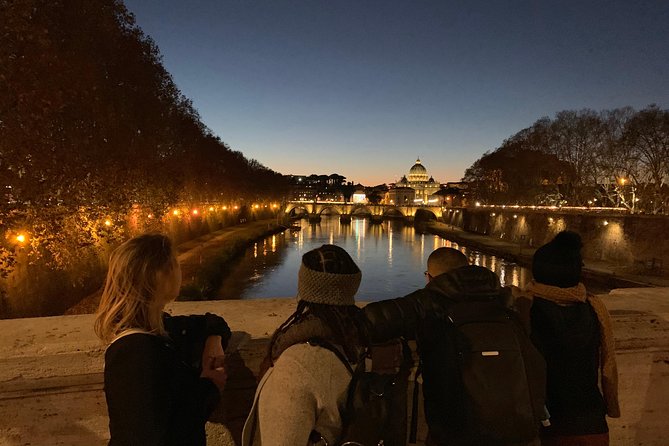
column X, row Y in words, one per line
column 418, row 172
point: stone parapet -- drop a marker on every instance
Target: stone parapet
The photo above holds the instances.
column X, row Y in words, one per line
column 51, row 371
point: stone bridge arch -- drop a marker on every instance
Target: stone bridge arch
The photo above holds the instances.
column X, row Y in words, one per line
column 330, row 210
column 393, row 212
column 298, row 209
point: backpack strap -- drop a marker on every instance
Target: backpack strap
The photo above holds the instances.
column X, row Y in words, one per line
column 318, row 342
column 413, row 427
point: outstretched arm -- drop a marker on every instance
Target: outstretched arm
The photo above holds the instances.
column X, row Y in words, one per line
column 394, row 318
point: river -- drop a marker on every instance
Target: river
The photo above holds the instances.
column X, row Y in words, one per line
column 391, row 255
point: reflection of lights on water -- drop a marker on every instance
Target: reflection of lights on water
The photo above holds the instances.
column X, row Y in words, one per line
column 477, row 259
column 255, row 250
column 274, row 243
column 390, row 245
column 515, row 280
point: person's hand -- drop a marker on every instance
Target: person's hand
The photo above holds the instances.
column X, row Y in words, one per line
column 213, row 362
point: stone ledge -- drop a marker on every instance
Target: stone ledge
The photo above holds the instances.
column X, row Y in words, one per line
column 51, row 382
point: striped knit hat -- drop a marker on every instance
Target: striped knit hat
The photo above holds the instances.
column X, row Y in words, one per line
column 328, row 275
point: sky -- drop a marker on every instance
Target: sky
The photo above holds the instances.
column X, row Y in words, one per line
column 364, row 87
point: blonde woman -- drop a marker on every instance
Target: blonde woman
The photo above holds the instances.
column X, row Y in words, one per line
column 163, row 374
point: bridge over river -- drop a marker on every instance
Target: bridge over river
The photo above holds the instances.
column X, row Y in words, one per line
column 318, row 208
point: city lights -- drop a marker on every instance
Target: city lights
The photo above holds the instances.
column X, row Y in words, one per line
column 175, row 212
column 211, row 208
column 108, row 222
column 195, row 212
column 21, row 238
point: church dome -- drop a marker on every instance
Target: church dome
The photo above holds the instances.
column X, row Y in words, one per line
column 418, row 172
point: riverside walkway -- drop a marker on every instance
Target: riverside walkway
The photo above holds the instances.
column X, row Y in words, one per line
column 51, row 371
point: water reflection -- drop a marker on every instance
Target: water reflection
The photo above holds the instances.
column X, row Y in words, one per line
column 391, row 255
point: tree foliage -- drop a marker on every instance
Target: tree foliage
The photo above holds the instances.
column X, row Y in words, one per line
column 614, row 157
column 92, row 126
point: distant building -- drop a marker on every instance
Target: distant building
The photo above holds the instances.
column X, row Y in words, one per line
column 400, row 195
column 423, row 186
column 316, row 187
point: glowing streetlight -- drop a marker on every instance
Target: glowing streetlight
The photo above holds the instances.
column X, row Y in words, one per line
column 606, row 222
column 21, row 238
column 225, row 208
column 175, row 212
column 195, row 212
column 211, row 208
column 108, row 223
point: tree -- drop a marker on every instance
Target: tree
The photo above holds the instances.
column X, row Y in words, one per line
column 646, row 134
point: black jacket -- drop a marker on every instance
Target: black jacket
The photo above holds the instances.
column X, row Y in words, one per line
column 419, row 316
column 155, row 396
column 403, row 316
column 568, row 337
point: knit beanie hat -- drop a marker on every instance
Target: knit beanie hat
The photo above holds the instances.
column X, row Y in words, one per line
column 559, row 263
column 328, row 275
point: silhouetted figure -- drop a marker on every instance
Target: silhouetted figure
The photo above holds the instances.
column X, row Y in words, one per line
column 456, row 372
column 163, row 374
column 572, row 329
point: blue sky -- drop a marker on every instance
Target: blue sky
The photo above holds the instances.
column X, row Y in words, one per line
column 362, row 88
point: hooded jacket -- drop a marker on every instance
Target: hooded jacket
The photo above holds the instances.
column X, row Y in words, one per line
column 420, row 316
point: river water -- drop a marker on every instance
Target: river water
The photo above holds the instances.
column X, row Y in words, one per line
column 391, row 255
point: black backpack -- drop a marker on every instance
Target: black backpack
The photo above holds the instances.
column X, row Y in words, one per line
column 493, row 378
column 376, row 406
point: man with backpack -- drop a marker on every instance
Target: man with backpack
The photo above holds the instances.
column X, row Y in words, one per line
column 483, row 381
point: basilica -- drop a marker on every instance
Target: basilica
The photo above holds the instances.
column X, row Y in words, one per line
column 418, row 188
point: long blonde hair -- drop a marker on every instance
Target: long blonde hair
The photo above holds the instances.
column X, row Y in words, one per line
column 129, row 299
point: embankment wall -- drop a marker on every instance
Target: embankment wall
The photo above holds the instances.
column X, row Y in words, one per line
column 640, row 241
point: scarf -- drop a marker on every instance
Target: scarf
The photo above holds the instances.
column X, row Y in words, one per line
column 607, row 364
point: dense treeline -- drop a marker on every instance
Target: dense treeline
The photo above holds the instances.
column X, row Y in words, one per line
column 93, row 131
column 614, row 158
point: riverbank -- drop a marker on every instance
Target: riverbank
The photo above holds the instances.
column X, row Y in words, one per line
column 203, row 261
column 615, row 276
column 51, row 374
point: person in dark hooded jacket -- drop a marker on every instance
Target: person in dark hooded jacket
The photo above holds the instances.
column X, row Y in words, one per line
column 573, row 331
column 420, row 316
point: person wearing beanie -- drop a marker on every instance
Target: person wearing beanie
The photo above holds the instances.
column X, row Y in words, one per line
column 573, row 331
column 304, row 384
